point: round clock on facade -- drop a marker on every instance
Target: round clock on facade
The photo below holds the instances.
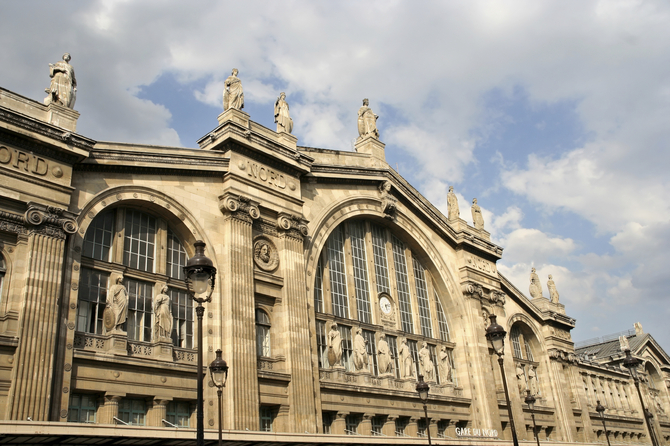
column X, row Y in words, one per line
column 385, row 304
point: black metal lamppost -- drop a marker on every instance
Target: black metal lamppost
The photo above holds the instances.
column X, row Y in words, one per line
column 495, row 334
column 218, row 370
column 530, row 400
column 631, row 364
column 200, row 274
column 600, row 409
column 422, row 389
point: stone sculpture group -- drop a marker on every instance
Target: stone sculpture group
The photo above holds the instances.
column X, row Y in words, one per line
column 535, row 288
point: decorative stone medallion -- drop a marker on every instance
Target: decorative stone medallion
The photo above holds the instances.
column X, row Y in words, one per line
column 63, row 413
column 266, row 256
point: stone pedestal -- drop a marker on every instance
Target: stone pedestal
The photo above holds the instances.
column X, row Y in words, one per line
column 544, row 304
column 163, row 351
column 63, row 117
column 232, row 114
column 288, row 140
column 117, row 344
column 371, row 146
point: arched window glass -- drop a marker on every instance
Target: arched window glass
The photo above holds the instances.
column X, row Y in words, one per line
column 441, row 319
column 381, row 263
column 139, row 242
column 422, row 298
column 357, row 236
column 262, row 333
column 98, row 240
column 318, row 288
column 529, row 352
column 176, row 257
column 403, row 285
column 338, row 277
column 516, row 343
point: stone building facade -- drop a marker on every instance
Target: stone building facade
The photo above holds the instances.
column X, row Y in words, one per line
column 338, row 284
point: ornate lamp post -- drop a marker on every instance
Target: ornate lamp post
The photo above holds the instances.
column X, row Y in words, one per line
column 600, row 409
column 218, row 370
column 200, row 274
column 495, row 334
column 631, row 364
column 530, row 400
column 422, row 389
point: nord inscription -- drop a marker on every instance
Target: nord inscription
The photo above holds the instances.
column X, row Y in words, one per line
column 266, row 175
column 23, row 161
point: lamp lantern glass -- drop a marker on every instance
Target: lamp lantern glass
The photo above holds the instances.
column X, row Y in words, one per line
column 599, row 407
column 218, row 370
column 422, row 389
column 495, row 334
column 530, row 400
column 199, row 270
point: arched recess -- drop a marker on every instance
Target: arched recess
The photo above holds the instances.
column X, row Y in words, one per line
column 529, row 355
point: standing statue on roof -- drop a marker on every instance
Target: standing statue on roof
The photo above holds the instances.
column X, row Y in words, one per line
column 282, row 118
column 452, row 205
column 553, row 294
column 233, row 95
column 477, row 218
column 367, row 121
column 535, row 286
column 63, row 88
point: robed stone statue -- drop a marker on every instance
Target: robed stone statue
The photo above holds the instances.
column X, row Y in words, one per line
column 553, row 294
column 233, row 95
column 334, row 346
column 452, row 205
column 117, row 307
column 477, row 218
column 163, row 315
column 535, row 287
column 367, row 121
column 63, row 88
column 282, row 118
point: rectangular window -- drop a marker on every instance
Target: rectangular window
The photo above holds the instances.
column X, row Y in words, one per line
column 372, row 351
column 422, row 298
column 415, row 354
column 132, row 411
column 441, row 319
column 403, row 285
column 421, row 427
column 267, row 416
column 347, row 348
column 400, row 425
column 318, row 288
column 377, row 425
column 262, row 333
column 358, row 257
column 140, row 298
column 322, row 344
column 92, row 300
column 182, row 315
column 393, row 349
column 99, row 236
column 179, row 413
column 379, row 253
column 176, row 257
column 82, row 408
column 351, row 424
column 139, row 242
column 338, row 278
column 327, row 419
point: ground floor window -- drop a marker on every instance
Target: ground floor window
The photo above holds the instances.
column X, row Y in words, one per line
column 267, row 417
column 133, row 411
column 352, row 422
column 82, row 408
column 327, row 419
column 377, row 425
column 400, row 425
column 179, row 413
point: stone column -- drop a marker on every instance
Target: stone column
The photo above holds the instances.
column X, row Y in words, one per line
column 281, row 423
column 451, row 429
column 32, row 376
column 109, row 409
column 339, row 423
column 432, row 426
column 238, row 312
column 412, row 429
column 302, row 415
column 389, row 426
column 158, row 412
column 365, row 426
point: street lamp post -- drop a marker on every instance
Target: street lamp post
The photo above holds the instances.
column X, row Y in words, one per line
column 218, row 370
column 200, row 274
column 600, row 409
column 422, row 389
column 530, row 400
column 495, row 334
column 631, row 364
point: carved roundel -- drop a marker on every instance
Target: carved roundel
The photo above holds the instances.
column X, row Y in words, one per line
column 265, row 254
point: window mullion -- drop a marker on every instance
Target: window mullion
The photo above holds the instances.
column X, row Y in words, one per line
column 119, row 236
column 349, row 269
column 414, row 302
column 372, row 276
column 325, row 284
column 160, row 247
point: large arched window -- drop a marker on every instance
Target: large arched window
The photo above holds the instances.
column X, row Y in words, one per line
column 361, row 262
column 145, row 250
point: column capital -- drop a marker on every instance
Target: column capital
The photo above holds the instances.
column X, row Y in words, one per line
column 50, row 220
column 239, row 207
column 292, row 225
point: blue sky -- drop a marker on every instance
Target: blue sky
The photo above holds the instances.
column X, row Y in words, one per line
column 553, row 114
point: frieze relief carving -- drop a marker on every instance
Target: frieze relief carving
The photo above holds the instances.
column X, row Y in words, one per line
column 293, row 225
column 562, row 355
column 239, row 207
column 474, row 290
column 266, row 256
column 50, row 220
column 12, row 223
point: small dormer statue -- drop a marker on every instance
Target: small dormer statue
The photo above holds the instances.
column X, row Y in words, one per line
column 63, row 88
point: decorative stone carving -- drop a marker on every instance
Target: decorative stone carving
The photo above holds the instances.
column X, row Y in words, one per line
column 63, row 88
column 553, row 294
column 240, row 207
column 623, row 343
column 266, row 255
column 334, row 346
column 477, row 218
column 163, row 316
column 473, row 289
column 389, row 202
column 533, row 383
column 295, row 225
column 407, row 367
column 452, row 205
column 50, row 220
column 282, row 117
column 384, row 356
column 116, row 310
column 657, row 402
column 498, row 297
column 360, row 351
column 367, row 121
column 535, row 288
column 233, row 95
column 426, row 366
column 444, row 364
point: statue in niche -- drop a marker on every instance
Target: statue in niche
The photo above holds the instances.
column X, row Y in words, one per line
column 389, row 202
column 477, row 218
column 63, row 88
column 360, row 351
column 535, row 286
column 406, row 360
column 233, row 95
column 384, row 356
column 533, row 384
column 282, row 118
column 445, row 365
column 553, row 294
column 367, row 121
column 426, row 366
column 452, row 205
column 521, row 379
column 657, row 403
column 117, row 304
column 163, row 314
column 334, row 346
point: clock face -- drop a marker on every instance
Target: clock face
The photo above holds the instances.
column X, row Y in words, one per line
column 385, row 305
